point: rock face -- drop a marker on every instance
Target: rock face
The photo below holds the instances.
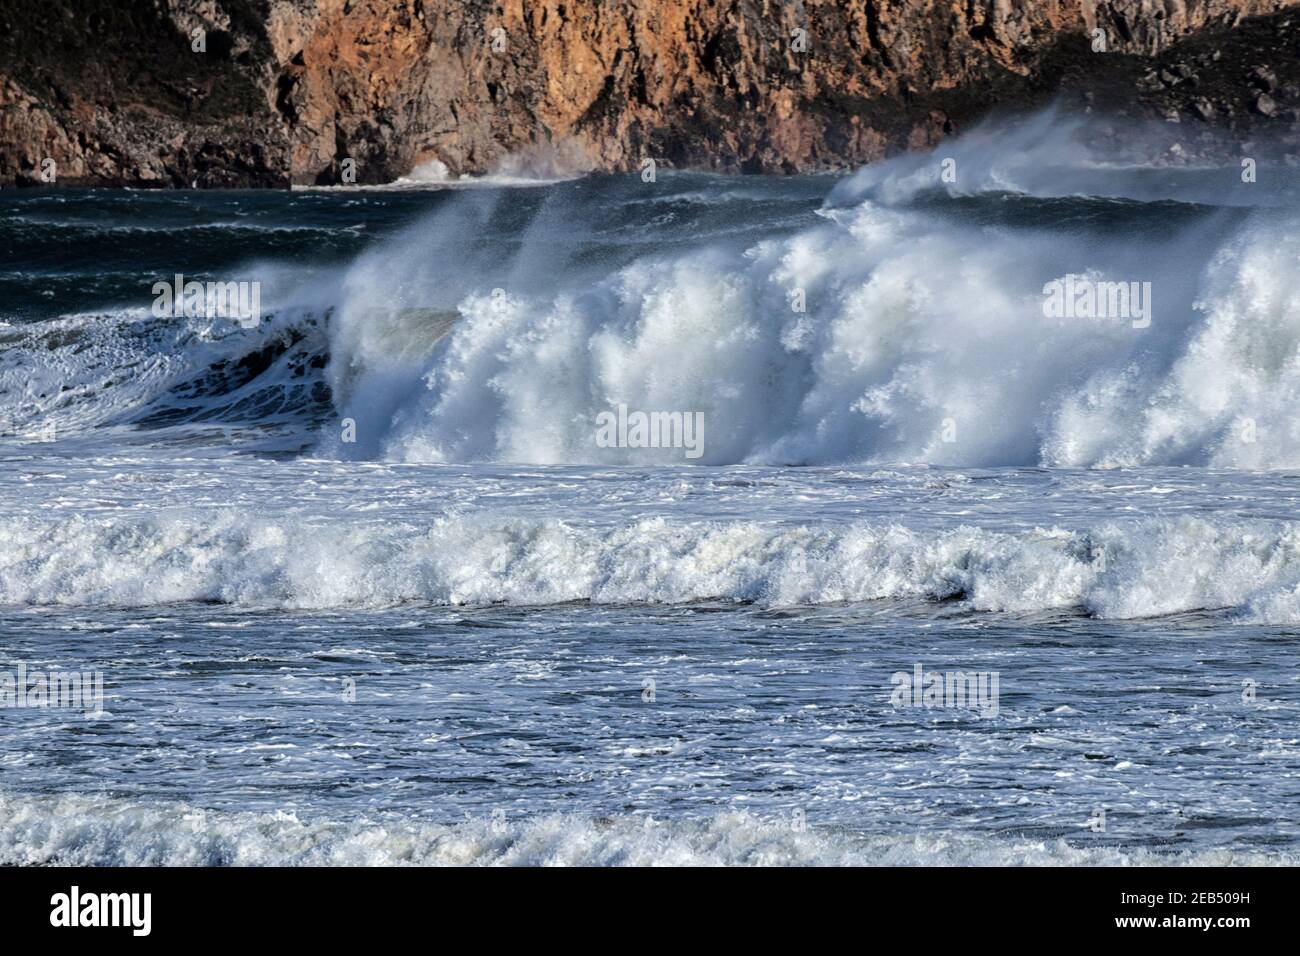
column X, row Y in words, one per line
column 273, row 92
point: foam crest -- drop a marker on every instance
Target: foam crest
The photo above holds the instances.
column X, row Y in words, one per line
column 907, row 326
column 101, row 831
column 1121, row 571
column 924, row 340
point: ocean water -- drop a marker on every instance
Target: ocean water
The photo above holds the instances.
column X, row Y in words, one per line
column 365, row 585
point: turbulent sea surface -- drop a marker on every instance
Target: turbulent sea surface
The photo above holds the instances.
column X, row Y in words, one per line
column 475, row 635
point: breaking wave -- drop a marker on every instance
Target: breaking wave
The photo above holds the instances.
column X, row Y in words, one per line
column 899, row 320
column 129, row 370
column 907, row 327
column 1246, row 569
column 101, row 831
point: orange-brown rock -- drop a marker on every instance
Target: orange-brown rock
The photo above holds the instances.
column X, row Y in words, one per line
column 287, row 90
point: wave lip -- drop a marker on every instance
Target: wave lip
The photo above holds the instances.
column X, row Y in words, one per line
column 1149, row 568
column 75, row 830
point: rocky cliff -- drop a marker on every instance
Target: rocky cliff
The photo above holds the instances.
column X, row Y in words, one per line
column 272, row 92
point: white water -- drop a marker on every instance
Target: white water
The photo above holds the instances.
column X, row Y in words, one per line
column 499, row 620
column 1121, row 571
column 924, row 339
column 92, row 831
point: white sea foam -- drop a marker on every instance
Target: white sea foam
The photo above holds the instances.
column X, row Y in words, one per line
column 1057, row 154
column 924, row 340
column 1123, row 571
column 100, row 831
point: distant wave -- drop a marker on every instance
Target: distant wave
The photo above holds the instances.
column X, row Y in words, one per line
column 102, row 831
column 1248, row 570
column 539, row 169
column 1055, row 154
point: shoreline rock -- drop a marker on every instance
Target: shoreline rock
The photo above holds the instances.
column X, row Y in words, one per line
column 310, row 92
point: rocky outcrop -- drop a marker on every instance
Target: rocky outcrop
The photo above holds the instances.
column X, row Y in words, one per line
column 272, row 92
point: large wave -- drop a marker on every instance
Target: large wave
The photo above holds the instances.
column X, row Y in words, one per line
column 924, row 338
column 904, row 323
